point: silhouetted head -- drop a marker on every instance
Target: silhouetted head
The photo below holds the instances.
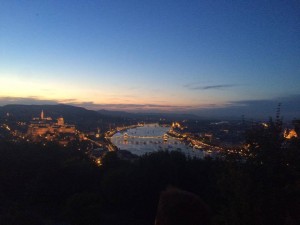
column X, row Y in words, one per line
column 177, row 207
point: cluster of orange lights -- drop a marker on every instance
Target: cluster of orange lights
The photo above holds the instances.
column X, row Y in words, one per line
column 290, row 134
column 176, row 124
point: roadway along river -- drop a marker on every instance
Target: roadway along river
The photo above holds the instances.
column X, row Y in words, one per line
column 148, row 138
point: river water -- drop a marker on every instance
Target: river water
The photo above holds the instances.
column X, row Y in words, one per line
column 148, row 139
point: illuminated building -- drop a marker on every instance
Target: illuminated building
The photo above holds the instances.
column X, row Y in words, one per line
column 60, row 121
column 45, row 125
column 290, row 134
column 165, row 137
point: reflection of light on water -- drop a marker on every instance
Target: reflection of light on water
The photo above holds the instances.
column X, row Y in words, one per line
column 140, row 146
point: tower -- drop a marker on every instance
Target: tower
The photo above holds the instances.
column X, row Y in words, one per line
column 42, row 115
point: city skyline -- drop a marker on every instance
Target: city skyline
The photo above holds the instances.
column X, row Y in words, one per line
column 177, row 56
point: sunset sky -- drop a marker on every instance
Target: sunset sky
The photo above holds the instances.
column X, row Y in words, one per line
column 150, row 55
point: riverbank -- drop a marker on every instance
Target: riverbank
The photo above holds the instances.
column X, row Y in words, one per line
column 151, row 138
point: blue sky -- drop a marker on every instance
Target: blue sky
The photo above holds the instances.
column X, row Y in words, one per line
column 169, row 55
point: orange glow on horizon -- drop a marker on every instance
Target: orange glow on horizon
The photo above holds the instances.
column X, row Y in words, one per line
column 117, row 98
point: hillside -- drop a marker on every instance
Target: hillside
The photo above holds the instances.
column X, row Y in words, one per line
column 81, row 117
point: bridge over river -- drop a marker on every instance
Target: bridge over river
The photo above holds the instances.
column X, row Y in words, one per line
column 126, row 136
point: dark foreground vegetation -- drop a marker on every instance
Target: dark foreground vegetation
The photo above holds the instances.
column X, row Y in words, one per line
column 54, row 185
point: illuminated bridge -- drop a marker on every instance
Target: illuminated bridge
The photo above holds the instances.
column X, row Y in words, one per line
column 126, row 136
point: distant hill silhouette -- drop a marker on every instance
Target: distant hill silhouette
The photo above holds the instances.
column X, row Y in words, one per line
column 29, row 111
column 145, row 116
column 81, row 117
column 116, row 113
column 86, row 119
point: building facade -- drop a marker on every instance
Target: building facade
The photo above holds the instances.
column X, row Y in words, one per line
column 46, row 126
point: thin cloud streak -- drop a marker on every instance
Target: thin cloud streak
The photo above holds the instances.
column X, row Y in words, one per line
column 218, row 86
column 209, row 87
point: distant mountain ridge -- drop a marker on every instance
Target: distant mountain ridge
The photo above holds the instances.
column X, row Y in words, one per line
column 54, row 111
column 83, row 118
column 140, row 115
column 70, row 112
column 115, row 113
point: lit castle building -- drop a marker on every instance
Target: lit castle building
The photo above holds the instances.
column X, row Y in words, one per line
column 45, row 126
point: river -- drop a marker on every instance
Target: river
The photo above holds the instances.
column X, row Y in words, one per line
column 148, row 139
